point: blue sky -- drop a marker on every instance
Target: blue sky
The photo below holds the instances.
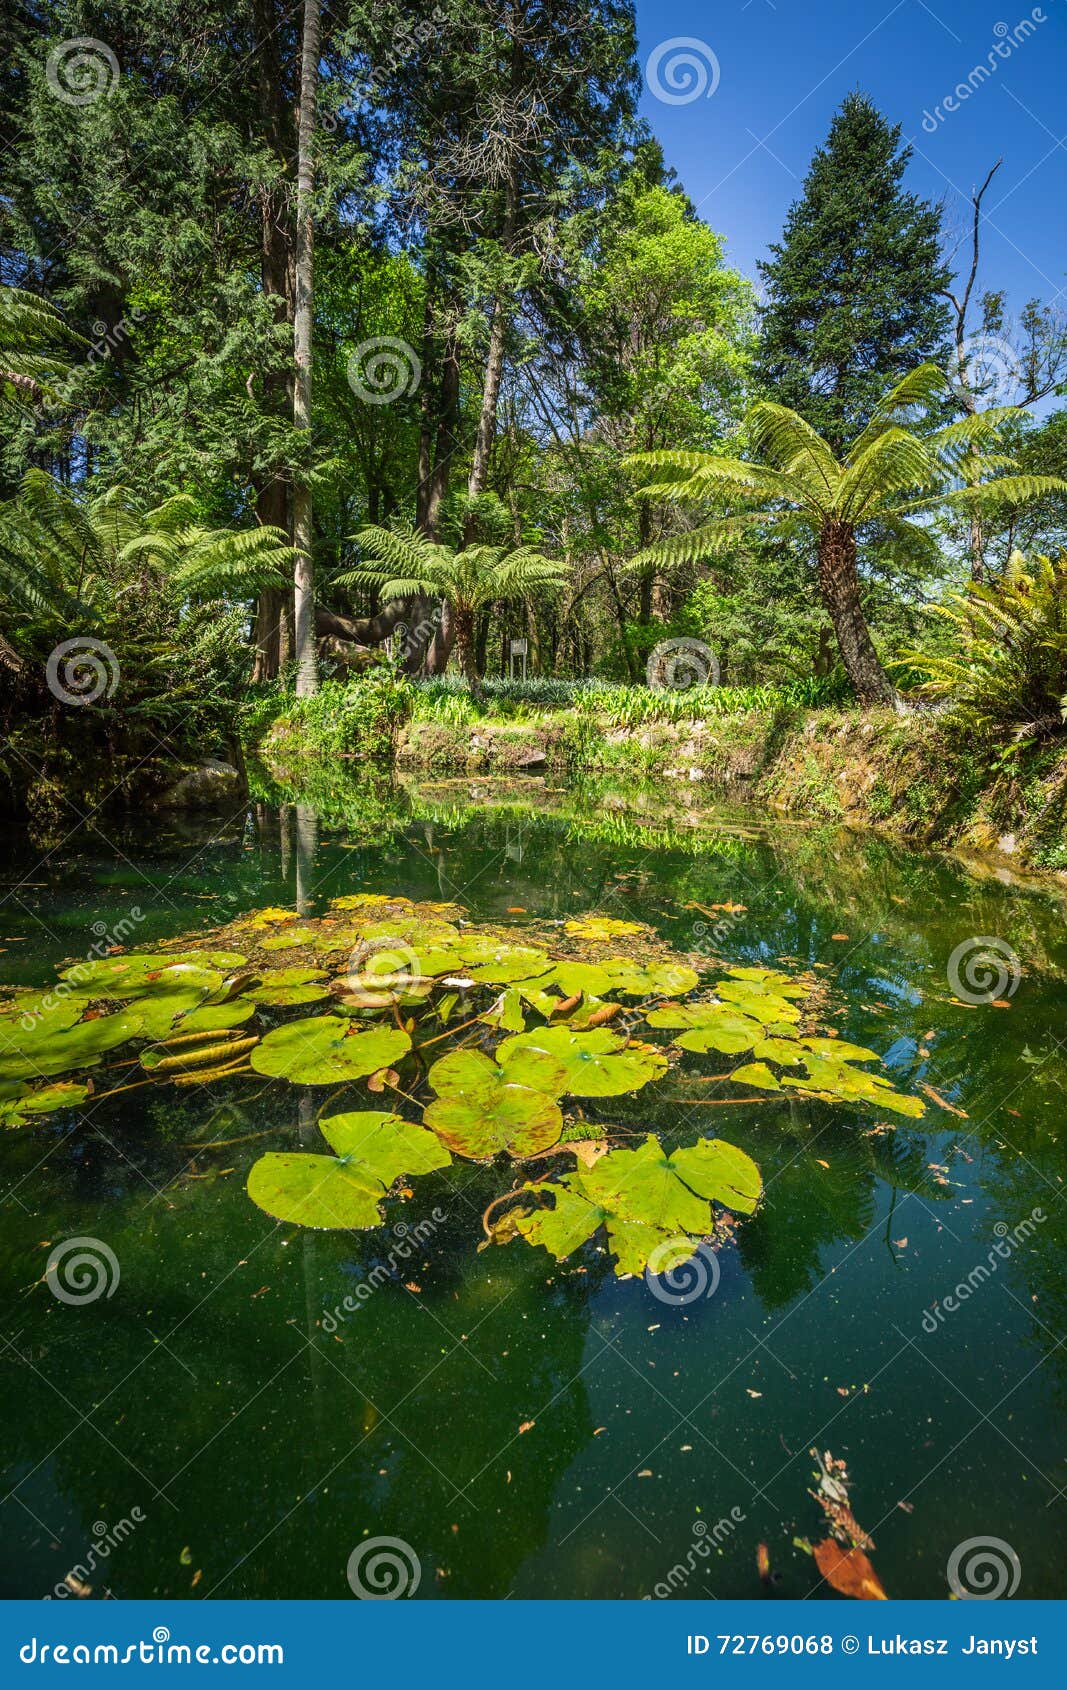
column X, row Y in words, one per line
column 783, row 67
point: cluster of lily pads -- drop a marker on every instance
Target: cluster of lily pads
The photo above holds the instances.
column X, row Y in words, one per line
column 534, row 1021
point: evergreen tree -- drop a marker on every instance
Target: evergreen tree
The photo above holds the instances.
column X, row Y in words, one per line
column 855, row 288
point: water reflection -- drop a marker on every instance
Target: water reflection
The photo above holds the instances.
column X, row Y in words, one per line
column 529, row 1428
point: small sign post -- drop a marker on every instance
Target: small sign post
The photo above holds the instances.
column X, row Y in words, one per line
column 518, row 649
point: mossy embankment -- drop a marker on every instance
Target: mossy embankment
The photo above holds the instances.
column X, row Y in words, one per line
column 911, row 775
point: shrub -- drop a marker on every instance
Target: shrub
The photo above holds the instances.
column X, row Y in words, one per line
column 1005, row 671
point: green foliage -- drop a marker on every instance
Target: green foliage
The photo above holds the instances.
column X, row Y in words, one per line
column 360, row 717
column 1005, row 672
column 854, row 288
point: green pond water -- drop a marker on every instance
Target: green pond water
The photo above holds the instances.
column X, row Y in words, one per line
column 222, row 1425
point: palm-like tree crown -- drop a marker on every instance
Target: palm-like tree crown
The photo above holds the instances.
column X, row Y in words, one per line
column 409, row 564
column 891, row 476
column 30, row 333
column 60, row 552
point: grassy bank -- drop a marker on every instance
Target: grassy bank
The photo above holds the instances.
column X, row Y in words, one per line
column 916, row 776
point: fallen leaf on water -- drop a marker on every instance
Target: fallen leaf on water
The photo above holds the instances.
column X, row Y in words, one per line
column 842, row 938
column 821, row 1163
column 908, row 1507
column 753, row 1393
column 899, row 1243
column 763, row 1561
column 195, row 1580
column 527, row 1425
column 943, row 1102
column 848, row 1571
column 842, row 1390
column 645, row 1473
column 75, row 1584
column 1001, row 1003
column 410, row 1285
column 516, row 909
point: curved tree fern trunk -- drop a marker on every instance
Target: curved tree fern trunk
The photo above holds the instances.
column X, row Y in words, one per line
column 840, row 586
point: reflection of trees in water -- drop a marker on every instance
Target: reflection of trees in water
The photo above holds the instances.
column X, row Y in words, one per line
column 405, row 1423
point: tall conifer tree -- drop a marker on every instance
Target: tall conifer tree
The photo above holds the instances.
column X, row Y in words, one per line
column 854, row 290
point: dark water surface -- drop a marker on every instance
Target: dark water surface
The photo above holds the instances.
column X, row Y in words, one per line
column 528, row 1428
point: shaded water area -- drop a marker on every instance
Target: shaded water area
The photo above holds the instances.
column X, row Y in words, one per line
column 224, row 1425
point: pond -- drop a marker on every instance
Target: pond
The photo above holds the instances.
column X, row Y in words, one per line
column 241, row 1406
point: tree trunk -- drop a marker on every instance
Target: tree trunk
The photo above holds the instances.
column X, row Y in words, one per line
column 463, row 620
column 840, row 587
column 307, row 680
column 494, row 367
column 272, row 629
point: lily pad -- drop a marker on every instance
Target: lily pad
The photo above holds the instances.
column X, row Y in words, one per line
column 324, row 1050
column 20, row 1104
column 598, row 1063
column 315, row 1191
column 287, row 938
column 645, row 1198
column 482, row 1109
column 600, row 927
column 756, row 1074
column 285, row 986
column 709, row 1026
column 384, row 1145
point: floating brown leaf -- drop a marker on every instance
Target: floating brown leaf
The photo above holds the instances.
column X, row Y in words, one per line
column 848, row 1571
